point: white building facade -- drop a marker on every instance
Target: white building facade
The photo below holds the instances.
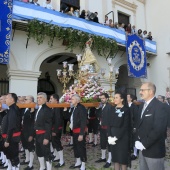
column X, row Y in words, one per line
column 27, row 65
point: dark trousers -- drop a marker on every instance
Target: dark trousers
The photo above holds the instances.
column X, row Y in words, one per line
column 56, row 141
column 93, row 126
column 104, row 139
column 79, row 147
column 42, row 150
column 12, row 153
column 65, row 125
column 26, row 144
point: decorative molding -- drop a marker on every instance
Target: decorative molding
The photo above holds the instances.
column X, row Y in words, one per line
column 23, row 75
column 142, row 1
column 125, row 4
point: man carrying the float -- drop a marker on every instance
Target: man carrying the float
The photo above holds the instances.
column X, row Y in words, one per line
column 43, row 125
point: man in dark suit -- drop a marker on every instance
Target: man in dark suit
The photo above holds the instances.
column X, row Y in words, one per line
column 57, row 124
column 151, row 129
column 102, row 114
column 27, row 133
column 78, row 123
column 133, row 122
column 11, row 125
column 43, row 126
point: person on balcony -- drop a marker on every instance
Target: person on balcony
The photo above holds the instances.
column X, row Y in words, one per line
column 83, row 14
column 144, row 34
column 106, row 20
column 133, row 31
column 47, row 4
column 128, row 29
column 122, row 27
column 140, row 33
column 71, row 12
column 149, row 36
column 35, row 2
column 111, row 23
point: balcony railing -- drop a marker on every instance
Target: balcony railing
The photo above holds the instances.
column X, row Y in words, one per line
column 26, row 11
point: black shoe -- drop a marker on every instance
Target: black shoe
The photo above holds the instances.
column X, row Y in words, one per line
column 101, row 160
column 94, row 145
column 57, row 160
column 90, row 143
column 133, row 157
column 3, row 167
column 29, row 168
column 1, row 164
column 59, row 165
column 73, row 166
column 107, row 165
column 24, row 163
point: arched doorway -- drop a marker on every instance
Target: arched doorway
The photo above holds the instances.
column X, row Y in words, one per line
column 48, row 81
column 125, row 83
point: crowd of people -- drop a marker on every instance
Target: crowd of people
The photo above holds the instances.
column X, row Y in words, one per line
column 123, row 127
column 94, row 17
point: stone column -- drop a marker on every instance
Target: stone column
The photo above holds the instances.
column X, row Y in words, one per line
column 23, row 82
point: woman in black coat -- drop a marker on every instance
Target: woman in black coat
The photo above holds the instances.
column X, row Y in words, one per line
column 119, row 134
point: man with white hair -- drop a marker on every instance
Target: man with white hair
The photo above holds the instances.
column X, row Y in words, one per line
column 78, row 122
column 43, row 125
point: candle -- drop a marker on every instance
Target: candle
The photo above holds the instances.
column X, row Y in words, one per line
column 65, row 64
column 70, row 67
column 64, row 73
column 58, row 72
column 109, row 60
column 79, row 57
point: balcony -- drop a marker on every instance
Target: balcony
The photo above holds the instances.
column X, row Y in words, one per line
column 23, row 12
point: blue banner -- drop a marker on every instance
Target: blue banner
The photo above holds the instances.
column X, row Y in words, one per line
column 136, row 56
column 5, row 29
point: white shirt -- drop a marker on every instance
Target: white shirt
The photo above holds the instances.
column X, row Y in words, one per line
column 48, row 6
column 71, row 120
column 37, row 112
column 145, row 105
column 130, row 104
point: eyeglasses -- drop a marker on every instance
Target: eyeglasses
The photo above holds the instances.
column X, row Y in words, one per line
column 142, row 90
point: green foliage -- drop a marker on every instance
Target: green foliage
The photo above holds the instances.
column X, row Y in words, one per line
column 74, row 38
column 89, row 100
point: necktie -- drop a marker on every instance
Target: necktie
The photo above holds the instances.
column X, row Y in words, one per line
column 144, row 107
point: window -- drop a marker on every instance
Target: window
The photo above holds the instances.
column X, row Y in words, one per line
column 72, row 3
column 123, row 18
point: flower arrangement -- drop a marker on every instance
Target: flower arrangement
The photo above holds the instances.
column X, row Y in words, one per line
column 89, row 92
